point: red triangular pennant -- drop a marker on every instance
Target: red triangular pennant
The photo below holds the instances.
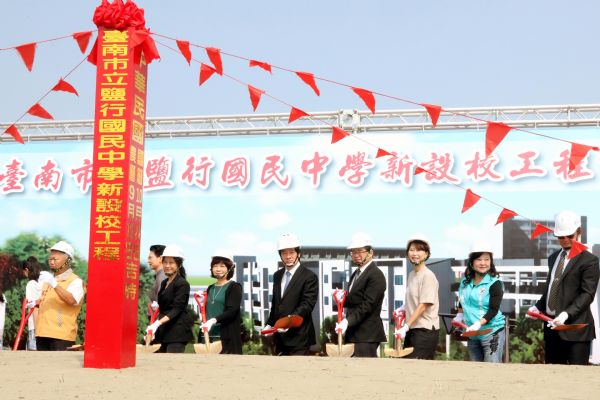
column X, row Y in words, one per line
column 505, row 214
column 578, row 153
column 309, row 79
column 296, row 113
column 419, row 170
column 64, row 86
column 434, row 112
column 261, row 64
column 14, row 132
column 576, row 249
column 206, row 71
column 255, row 95
column 83, row 39
column 184, row 48
column 382, row 153
column 367, row 97
column 214, row 55
column 27, row 52
column 93, row 56
column 494, row 134
column 338, row 134
column 39, row 111
column 471, row 199
column 539, row 229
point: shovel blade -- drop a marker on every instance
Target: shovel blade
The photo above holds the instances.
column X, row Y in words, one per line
column 333, row 350
column 480, row 332
column 214, row 348
column 393, row 353
column 571, row 327
column 140, row 348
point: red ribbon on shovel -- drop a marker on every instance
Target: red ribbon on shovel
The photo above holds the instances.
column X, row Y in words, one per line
column 24, row 317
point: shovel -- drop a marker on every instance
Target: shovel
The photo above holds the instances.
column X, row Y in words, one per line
column 341, row 350
column 208, row 347
column 399, row 351
column 24, row 317
column 464, row 327
column 148, row 348
column 569, row 327
column 290, row 321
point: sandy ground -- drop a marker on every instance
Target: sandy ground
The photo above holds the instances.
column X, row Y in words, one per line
column 60, row 375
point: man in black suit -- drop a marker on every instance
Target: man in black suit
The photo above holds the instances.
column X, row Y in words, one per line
column 295, row 291
column 570, row 289
column 363, row 325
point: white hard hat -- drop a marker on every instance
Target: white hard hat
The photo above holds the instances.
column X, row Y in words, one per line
column 172, row 250
column 63, row 247
column 288, row 241
column 360, row 239
column 480, row 246
column 417, row 237
column 223, row 253
column 566, row 223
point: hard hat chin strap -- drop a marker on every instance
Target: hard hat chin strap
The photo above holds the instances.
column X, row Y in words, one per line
column 366, row 258
column 66, row 265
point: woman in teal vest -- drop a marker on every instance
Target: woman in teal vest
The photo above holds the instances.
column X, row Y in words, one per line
column 480, row 294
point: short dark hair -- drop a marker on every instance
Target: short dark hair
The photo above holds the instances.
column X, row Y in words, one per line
column 228, row 263
column 33, row 266
column 157, row 249
column 419, row 245
column 470, row 272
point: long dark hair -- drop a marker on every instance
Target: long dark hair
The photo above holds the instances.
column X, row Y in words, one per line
column 180, row 269
column 33, row 267
column 470, row 272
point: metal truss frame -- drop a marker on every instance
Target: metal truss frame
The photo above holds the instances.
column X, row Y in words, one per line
column 526, row 117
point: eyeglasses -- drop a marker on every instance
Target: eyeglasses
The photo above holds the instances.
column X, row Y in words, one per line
column 357, row 252
column 568, row 237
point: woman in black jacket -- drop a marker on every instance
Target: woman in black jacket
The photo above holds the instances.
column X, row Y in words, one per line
column 173, row 327
column 223, row 305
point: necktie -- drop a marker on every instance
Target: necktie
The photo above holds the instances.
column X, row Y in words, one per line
column 288, row 275
column 552, row 299
column 356, row 274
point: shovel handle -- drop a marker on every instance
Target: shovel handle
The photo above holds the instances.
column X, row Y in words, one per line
column 340, row 304
column 539, row 316
column 24, row 317
column 459, row 325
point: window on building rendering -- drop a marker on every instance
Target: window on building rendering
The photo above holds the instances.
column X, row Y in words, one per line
column 398, row 280
column 326, row 300
column 325, row 278
column 398, row 303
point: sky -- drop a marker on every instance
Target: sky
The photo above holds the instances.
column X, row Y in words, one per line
column 456, row 54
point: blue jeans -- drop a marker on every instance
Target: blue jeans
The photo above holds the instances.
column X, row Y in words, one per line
column 489, row 349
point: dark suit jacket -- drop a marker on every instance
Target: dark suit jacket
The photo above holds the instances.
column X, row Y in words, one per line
column 299, row 298
column 173, row 301
column 363, row 307
column 576, row 292
column 230, row 320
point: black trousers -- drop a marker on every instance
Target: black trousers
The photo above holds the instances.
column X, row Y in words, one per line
column 171, row 348
column 365, row 350
column 424, row 341
column 559, row 351
column 51, row 344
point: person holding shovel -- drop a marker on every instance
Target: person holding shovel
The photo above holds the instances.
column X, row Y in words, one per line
column 295, row 291
column 570, row 289
column 480, row 294
column 363, row 325
column 421, row 329
column 60, row 301
column 173, row 327
column 223, row 304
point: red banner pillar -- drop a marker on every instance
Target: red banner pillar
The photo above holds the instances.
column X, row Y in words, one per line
column 116, row 203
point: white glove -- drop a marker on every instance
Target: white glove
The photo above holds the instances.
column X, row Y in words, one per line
column 402, row 331
column 282, row 330
column 341, row 327
column 532, row 309
column 200, row 295
column 47, row 277
column 154, row 306
column 153, row 327
column 475, row 327
column 31, row 303
column 264, row 328
column 209, row 324
column 458, row 318
column 558, row 321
